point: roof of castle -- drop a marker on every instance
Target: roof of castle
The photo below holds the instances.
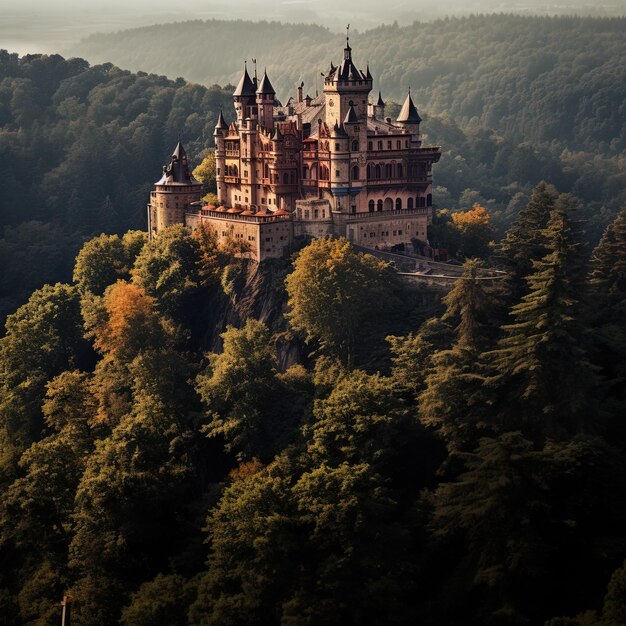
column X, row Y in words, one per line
column 266, row 87
column 351, row 117
column 408, row 113
column 381, row 102
column 245, row 86
column 177, row 171
column 221, row 123
column 338, row 131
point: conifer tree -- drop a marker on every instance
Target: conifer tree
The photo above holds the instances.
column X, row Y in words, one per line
column 524, row 241
column 451, row 400
column 542, row 370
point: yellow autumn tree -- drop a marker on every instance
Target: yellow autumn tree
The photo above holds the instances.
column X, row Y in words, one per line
column 475, row 230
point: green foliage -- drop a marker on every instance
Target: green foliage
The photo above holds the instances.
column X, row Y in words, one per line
column 533, row 359
column 205, row 173
column 106, row 259
column 332, row 291
column 167, row 269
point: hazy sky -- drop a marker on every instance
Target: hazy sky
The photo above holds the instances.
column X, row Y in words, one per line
column 54, row 25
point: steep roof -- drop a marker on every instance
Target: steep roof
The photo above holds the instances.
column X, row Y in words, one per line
column 338, row 131
column 177, row 171
column 245, row 86
column 221, row 124
column 266, row 87
column 351, row 117
column 381, row 102
column 408, row 113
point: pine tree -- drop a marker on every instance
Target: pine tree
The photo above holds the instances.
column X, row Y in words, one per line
column 524, row 242
column 543, row 373
column 451, row 401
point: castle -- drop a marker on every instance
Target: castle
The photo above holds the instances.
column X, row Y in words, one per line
column 329, row 165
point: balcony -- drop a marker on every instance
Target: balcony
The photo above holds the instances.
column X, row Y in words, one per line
column 395, row 213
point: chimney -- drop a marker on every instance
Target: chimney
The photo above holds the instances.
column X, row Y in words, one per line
column 300, row 92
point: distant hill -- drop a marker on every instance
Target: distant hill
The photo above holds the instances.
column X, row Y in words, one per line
column 534, row 78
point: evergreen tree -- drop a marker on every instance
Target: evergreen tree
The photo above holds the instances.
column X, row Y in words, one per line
column 543, row 375
column 451, row 401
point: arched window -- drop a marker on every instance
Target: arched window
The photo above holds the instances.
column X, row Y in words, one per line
column 409, row 203
column 422, row 202
column 371, row 206
column 369, row 171
column 388, row 170
column 355, row 172
column 355, row 146
column 429, row 199
column 236, row 171
column 305, row 172
column 267, row 171
column 314, row 171
column 378, row 171
column 400, row 170
column 379, row 205
column 388, row 204
column 398, row 204
column 285, row 178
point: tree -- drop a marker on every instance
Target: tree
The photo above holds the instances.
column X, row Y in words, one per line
column 246, row 401
column 332, row 291
column 167, row 269
column 106, row 259
column 541, row 391
column 205, row 173
column 453, row 398
column 475, row 229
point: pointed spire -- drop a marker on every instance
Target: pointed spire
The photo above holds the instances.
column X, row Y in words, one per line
column 177, row 170
column 351, row 117
column 408, row 113
column 179, row 151
column 266, row 87
column 221, row 123
column 368, row 74
column 245, row 87
column 381, row 102
column 338, row 131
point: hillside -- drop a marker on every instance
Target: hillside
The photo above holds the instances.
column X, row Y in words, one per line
column 537, row 79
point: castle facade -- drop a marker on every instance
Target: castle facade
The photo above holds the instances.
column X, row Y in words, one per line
column 329, row 165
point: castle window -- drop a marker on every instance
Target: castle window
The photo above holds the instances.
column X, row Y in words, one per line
column 245, row 173
column 398, row 204
column 316, row 213
column 378, row 171
column 389, row 145
column 399, row 232
column 355, row 172
column 398, row 144
column 218, row 171
column 371, row 206
column 429, row 199
column 236, row 170
column 355, row 146
column 306, row 214
column 305, row 172
column 369, row 171
column 337, row 146
column 399, row 170
column 388, row 170
column 323, row 213
column 409, row 204
column 406, row 144
column 337, row 173
column 380, row 145
column 422, row 202
column 379, row 205
column 369, row 145
column 285, row 178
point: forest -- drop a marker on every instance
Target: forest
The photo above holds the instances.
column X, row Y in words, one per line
column 81, row 146
column 362, row 451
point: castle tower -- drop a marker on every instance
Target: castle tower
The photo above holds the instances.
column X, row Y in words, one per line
column 265, row 96
column 173, row 193
column 379, row 108
column 409, row 119
column 244, row 96
column 221, row 130
column 346, row 86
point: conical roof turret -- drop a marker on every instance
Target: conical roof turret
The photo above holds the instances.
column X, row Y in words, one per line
column 221, row 123
column 245, row 86
column 177, row 171
column 381, row 102
column 266, row 86
column 351, row 117
column 338, row 131
column 408, row 113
